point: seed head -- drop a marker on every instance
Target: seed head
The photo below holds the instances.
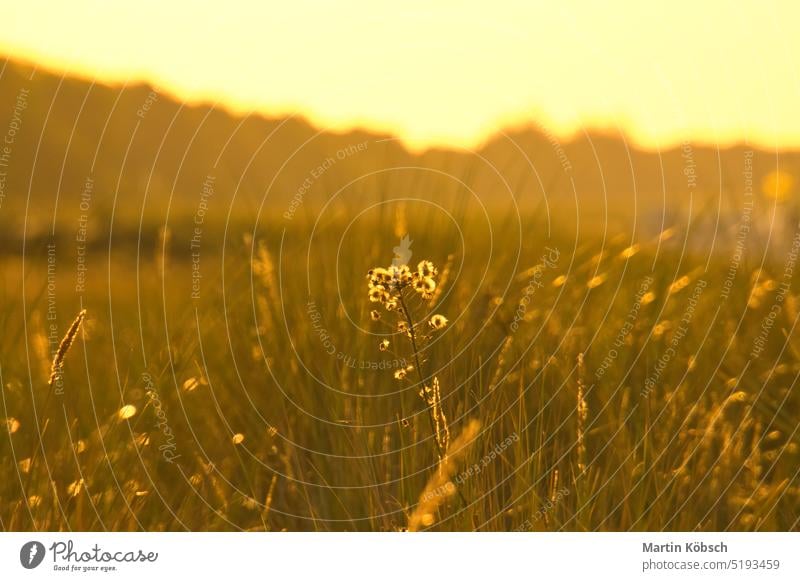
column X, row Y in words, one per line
column 438, row 322
column 425, row 285
column 63, row 347
column 426, row 268
column 377, row 294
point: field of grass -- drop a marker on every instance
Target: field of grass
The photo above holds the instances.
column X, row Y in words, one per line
column 604, row 384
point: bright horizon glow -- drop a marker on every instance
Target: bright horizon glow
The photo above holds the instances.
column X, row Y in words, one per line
column 445, row 73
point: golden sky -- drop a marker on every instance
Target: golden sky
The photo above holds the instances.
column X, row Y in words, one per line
column 446, row 71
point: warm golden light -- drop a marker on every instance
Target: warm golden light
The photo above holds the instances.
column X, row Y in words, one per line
column 446, row 72
column 778, row 185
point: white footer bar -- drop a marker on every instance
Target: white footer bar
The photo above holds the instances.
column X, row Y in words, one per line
column 401, row 556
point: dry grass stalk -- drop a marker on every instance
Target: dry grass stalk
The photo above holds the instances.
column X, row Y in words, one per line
column 264, row 268
column 440, row 485
column 502, row 359
column 582, row 412
column 268, row 500
column 433, row 399
column 64, row 346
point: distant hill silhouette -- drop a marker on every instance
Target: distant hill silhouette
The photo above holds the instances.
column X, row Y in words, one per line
column 148, row 156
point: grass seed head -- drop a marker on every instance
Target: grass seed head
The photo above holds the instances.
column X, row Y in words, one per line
column 64, row 346
column 438, row 322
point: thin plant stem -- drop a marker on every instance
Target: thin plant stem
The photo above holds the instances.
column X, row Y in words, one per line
column 412, row 334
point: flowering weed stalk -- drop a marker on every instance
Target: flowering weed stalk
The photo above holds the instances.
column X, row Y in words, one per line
column 399, row 290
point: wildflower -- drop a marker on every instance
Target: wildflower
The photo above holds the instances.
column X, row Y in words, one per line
column 438, row 322
column 385, row 275
column 559, row 281
column 403, row 372
column 377, row 294
column 237, row 438
column 426, row 269
column 419, row 284
column 426, row 393
column 380, row 274
column 391, row 287
column 403, row 274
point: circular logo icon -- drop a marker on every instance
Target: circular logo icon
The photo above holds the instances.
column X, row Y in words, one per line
column 31, row 554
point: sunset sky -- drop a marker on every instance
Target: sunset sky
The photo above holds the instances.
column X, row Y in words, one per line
column 441, row 72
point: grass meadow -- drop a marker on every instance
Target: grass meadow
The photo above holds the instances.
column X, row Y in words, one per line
column 607, row 382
